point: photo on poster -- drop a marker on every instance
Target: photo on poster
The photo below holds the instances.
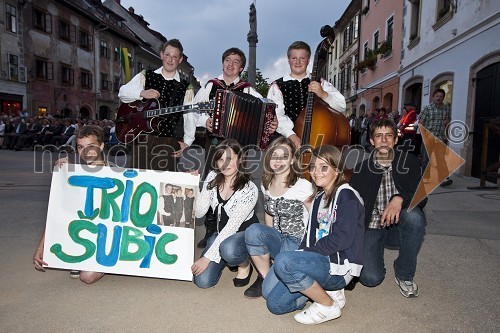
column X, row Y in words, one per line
column 176, row 205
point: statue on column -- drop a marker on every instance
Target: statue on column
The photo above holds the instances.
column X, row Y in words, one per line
column 252, row 44
column 253, row 20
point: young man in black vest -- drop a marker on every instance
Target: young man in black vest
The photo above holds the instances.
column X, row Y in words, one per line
column 290, row 92
column 159, row 151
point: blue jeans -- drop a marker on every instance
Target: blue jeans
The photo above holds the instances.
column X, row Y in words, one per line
column 296, row 271
column 408, row 234
column 262, row 239
column 233, row 253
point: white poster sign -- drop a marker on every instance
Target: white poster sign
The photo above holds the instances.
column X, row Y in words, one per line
column 121, row 221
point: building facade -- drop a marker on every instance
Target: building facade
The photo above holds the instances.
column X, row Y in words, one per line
column 344, row 55
column 454, row 45
column 64, row 57
column 379, row 56
column 13, row 97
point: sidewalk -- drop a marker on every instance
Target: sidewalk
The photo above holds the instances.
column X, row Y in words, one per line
column 458, row 277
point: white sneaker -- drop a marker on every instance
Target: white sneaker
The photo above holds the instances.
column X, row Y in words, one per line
column 337, row 296
column 317, row 314
column 407, row 288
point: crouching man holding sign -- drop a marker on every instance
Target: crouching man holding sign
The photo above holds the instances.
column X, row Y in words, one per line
column 90, row 145
column 111, row 224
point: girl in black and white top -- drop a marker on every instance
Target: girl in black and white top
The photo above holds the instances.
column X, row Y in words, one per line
column 232, row 196
column 286, row 194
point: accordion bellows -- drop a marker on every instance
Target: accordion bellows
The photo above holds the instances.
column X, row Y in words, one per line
column 243, row 117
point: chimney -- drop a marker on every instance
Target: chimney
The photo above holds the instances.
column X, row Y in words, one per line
column 131, row 10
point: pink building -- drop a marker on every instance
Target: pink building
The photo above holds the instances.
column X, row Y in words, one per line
column 379, row 55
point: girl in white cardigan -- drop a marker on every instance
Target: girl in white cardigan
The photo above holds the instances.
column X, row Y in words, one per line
column 232, row 196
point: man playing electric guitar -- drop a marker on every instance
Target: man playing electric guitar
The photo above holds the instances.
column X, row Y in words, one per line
column 160, row 149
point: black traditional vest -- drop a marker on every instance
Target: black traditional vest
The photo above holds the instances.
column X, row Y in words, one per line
column 294, row 96
column 171, row 94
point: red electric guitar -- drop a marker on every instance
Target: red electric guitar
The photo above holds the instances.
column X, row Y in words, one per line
column 144, row 116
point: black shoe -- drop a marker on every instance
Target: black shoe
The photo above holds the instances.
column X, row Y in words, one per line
column 352, row 284
column 233, row 268
column 255, row 290
column 243, row 282
column 446, row 182
column 203, row 243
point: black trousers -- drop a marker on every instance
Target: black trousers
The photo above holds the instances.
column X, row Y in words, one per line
column 155, row 153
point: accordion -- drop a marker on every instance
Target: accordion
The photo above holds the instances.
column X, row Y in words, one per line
column 243, row 117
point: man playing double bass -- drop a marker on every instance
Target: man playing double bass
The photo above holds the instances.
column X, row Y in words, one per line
column 290, row 92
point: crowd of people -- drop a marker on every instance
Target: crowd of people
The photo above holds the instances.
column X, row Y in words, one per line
column 25, row 132
column 318, row 237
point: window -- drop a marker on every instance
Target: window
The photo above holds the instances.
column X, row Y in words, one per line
column 443, row 7
column 104, row 49
column 351, row 32
column 356, row 26
column 13, row 67
column 44, row 70
column 355, row 76
column 42, row 111
column 366, row 8
column 67, row 32
column 375, row 40
column 105, row 83
column 365, row 50
column 385, row 47
column 86, row 80
column 348, row 77
column 415, row 21
column 390, row 29
column 42, row 21
column 347, row 36
column 85, row 40
column 116, row 54
column 11, row 24
column 67, row 75
column 444, row 13
column 343, row 82
column 116, row 83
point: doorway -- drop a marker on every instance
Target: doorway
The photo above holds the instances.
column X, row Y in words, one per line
column 486, row 108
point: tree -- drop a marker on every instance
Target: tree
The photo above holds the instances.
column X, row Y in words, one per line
column 261, row 84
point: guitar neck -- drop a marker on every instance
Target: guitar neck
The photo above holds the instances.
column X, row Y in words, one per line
column 168, row 110
column 199, row 107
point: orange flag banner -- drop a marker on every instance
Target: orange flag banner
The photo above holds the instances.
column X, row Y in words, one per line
column 443, row 161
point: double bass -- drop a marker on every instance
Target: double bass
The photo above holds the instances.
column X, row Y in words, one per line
column 318, row 124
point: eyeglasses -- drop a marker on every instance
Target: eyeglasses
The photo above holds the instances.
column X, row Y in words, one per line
column 320, row 168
